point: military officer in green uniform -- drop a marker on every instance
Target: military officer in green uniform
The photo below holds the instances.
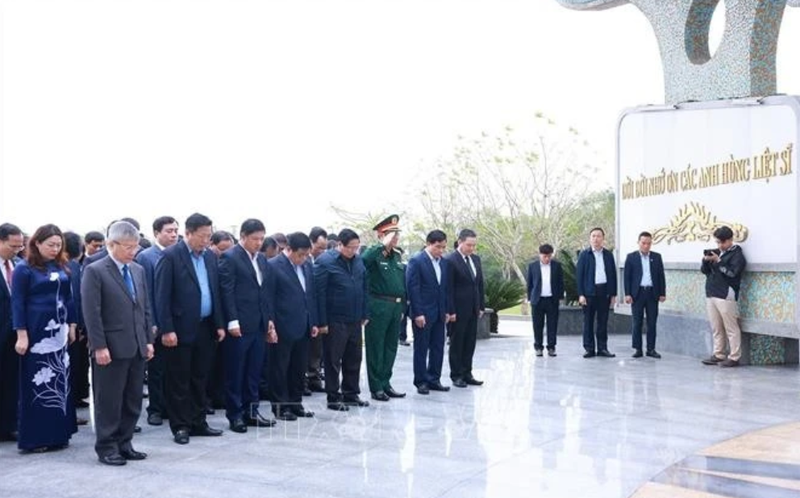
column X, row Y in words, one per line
column 387, row 297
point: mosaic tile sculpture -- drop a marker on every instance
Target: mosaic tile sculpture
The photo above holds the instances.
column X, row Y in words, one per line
column 744, row 64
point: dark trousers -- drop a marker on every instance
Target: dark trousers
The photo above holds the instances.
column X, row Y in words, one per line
column 545, row 311
column 188, row 367
column 463, row 336
column 288, row 360
column 314, row 374
column 9, row 385
column 428, row 352
column 404, row 326
column 156, row 369
column 244, row 357
column 79, row 367
column 215, row 389
column 342, row 347
column 596, row 306
column 646, row 300
column 263, row 383
column 118, row 389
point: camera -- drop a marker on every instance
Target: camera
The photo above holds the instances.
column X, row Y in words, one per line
column 709, row 252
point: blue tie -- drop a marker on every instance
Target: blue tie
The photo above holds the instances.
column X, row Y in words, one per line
column 126, row 276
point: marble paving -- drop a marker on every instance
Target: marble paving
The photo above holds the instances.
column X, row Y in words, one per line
column 544, row 427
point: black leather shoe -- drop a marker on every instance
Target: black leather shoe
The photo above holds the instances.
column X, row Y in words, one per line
column 115, row 459
column 316, row 387
column 404, row 343
column 539, row 352
column 394, row 394
column 132, row 454
column 301, row 412
column 155, row 419
column 439, row 387
column 380, row 396
column 307, row 391
column 237, row 425
column 654, row 354
column 337, row 406
column 472, row 381
column 589, row 354
column 137, row 429
column 81, row 404
column 637, row 353
column 423, row 389
column 210, row 411
column 712, row 361
column 258, row 420
column 205, row 431
column 551, row 352
column 286, row 415
column 459, row 383
column 603, row 353
column 355, row 401
column 729, row 363
column 182, row 436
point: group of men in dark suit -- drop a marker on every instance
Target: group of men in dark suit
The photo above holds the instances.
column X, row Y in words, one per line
column 644, row 286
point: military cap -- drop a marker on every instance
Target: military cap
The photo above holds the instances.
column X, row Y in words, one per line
column 389, row 224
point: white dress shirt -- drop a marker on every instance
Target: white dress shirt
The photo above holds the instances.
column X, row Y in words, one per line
column 547, row 288
column 436, row 267
column 599, row 267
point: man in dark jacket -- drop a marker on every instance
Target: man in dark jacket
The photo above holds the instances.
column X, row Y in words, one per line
column 341, row 284
column 723, row 269
column 545, row 291
column 596, row 276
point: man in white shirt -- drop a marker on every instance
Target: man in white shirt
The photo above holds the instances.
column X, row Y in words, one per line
column 545, row 291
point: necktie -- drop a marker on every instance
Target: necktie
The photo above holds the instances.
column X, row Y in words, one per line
column 126, row 276
column 471, row 269
column 9, row 273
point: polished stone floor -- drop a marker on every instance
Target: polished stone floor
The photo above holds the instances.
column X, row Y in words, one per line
column 542, row 427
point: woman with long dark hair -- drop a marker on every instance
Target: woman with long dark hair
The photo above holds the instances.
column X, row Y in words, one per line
column 44, row 317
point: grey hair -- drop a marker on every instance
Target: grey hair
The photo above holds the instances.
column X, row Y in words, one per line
column 122, row 230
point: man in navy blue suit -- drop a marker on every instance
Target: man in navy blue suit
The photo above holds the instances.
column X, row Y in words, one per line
column 645, row 286
column 596, row 278
column 243, row 279
column 190, row 319
column 545, row 291
column 427, row 288
column 165, row 231
column 293, row 310
column 11, row 242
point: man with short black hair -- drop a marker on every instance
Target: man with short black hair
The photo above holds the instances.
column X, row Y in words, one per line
column 545, row 291
column 245, row 298
column 468, row 301
column 596, row 278
column 645, row 286
column 269, row 248
column 427, row 285
column 93, row 242
column 293, row 310
column 11, row 243
column 190, row 322
column 341, row 283
column 165, row 232
column 221, row 241
column 723, row 268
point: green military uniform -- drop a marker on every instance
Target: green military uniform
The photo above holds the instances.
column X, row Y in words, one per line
column 387, row 297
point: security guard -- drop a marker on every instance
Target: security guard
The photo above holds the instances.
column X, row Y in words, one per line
column 387, row 297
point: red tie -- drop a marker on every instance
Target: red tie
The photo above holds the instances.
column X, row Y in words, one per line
column 9, row 273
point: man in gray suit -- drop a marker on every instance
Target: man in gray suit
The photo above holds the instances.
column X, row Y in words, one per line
column 116, row 307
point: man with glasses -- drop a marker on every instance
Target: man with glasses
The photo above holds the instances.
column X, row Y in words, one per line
column 10, row 245
column 341, row 281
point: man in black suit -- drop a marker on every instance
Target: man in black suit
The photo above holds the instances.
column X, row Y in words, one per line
column 545, row 290
column 469, row 302
column 116, row 308
column 596, row 279
column 645, row 286
column 190, row 321
column 293, row 310
column 243, row 280
column 11, row 243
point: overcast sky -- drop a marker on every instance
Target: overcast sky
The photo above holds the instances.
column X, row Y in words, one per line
column 278, row 109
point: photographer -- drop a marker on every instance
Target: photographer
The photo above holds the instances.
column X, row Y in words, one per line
column 723, row 269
